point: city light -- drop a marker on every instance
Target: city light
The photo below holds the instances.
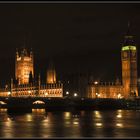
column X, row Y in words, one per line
column 119, row 125
column 97, row 94
column 67, row 93
column 29, row 91
column 67, row 115
column 119, row 116
column 9, row 93
column 75, row 94
column 119, row 95
column 29, row 117
column 99, row 124
column 95, row 82
column 97, row 114
column 75, row 123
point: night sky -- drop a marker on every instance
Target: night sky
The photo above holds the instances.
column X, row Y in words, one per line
column 80, row 38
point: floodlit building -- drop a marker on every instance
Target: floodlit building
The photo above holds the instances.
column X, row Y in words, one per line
column 26, row 85
column 24, row 66
column 128, row 87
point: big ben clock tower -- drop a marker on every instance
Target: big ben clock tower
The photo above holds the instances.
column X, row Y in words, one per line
column 129, row 66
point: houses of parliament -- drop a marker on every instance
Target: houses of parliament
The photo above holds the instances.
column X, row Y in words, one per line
column 26, row 87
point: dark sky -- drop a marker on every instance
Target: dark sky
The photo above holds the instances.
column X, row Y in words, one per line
column 79, row 37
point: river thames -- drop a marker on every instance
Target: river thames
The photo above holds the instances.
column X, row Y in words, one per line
column 99, row 124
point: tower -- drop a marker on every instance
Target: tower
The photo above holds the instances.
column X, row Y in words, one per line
column 129, row 66
column 24, row 66
column 51, row 74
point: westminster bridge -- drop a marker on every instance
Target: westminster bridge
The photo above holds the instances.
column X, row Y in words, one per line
column 26, row 104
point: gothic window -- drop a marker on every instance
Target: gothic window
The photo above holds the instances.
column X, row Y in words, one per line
column 125, row 54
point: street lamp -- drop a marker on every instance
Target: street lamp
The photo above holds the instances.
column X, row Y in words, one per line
column 97, row 95
column 9, row 93
column 75, row 94
column 46, row 94
column 95, row 82
column 96, row 89
column 67, row 93
column 119, row 95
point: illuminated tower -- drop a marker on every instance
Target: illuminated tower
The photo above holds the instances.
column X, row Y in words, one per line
column 24, row 66
column 51, row 74
column 129, row 66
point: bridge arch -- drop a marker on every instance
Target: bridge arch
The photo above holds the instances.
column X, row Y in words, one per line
column 38, row 102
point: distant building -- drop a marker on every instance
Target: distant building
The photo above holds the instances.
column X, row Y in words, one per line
column 26, row 85
column 128, row 87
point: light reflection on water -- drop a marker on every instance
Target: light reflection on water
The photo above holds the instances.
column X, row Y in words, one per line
column 119, row 123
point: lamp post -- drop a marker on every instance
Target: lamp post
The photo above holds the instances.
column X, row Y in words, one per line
column 75, row 94
column 67, row 94
column 46, row 94
column 9, row 93
column 119, row 96
column 96, row 90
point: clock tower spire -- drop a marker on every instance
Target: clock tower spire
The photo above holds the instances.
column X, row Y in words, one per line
column 129, row 65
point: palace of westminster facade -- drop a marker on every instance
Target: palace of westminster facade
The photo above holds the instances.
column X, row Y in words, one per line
column 25, row 87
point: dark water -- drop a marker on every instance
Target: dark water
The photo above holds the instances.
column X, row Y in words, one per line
column 119, row 123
